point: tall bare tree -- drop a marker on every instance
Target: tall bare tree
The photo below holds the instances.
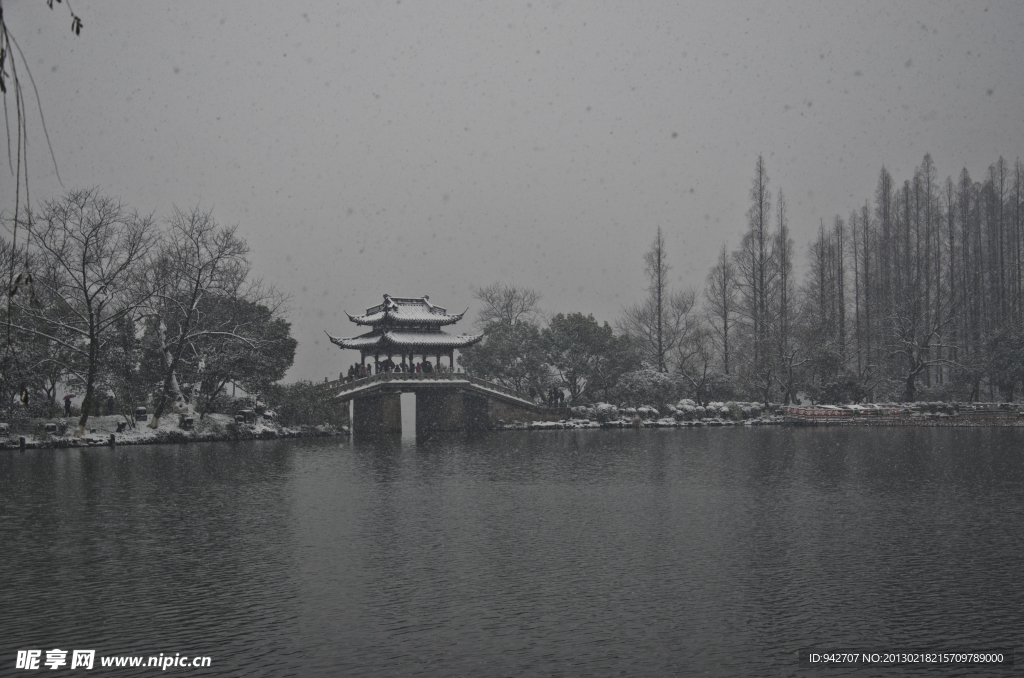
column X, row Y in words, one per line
column 720, row 304
column 92, row 249
column 666, row 318
column 756, row 270
column 197, row 265
column 656, row 267
column 787, row 351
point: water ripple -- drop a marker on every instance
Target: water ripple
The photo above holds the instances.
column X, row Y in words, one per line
column 713, row 552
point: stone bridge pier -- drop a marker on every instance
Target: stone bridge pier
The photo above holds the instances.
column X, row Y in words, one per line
column 450, row 410
column 378, row 413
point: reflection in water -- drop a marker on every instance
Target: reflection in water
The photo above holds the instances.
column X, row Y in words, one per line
column 716, row 551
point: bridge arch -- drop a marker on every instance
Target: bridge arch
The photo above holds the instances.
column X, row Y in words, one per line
column 444, row 402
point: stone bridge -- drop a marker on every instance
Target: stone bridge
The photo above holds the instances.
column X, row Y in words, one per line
column 445, row 401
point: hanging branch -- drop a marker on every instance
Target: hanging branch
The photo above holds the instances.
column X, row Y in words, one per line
column 17, row 161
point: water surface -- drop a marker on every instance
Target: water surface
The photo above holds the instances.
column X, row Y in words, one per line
column 653, row 552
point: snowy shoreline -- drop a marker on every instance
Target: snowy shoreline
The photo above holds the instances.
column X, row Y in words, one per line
column 624, row 423
column 212, row 428
column 684, row 414
column 687, row 414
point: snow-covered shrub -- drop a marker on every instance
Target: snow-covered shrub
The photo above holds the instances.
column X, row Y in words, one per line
column 684, row 410
column 606, row 412
column 649, row 386
column 646, row 412
column 717, row 410
column 582, row 412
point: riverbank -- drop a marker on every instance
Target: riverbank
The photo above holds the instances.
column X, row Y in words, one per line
column 683, row 414
column 102, row 431
column 687, row 414
column 634, row 423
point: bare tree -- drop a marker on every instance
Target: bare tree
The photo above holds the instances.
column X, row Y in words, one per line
column 885, row 241
column 511, row 354
column 869, row 275
column 913, row 339
column 720, row 304
column 695, row 358
column 659, row 323
column 839, row 256
column 661, row 338
column 755, row 279
column 756, row 272
column 92, row 249
column 657, row 268
column 784, row 314
column 197, row 264
column 506, row 304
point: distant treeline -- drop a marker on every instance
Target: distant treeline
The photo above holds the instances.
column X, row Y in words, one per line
column 123, row 309
column 917, row 295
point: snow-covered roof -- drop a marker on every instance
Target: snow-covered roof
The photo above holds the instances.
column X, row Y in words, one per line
column 405, row 311
column 406, row 339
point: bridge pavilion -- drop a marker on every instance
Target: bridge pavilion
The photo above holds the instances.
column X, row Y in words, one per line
column 405, row 328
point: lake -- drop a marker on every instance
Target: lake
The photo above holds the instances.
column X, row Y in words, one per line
column 718, row 552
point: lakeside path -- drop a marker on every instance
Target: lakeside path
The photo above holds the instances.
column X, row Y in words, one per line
column 212, row 428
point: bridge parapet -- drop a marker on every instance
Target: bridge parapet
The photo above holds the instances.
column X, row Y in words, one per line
column 409, row 379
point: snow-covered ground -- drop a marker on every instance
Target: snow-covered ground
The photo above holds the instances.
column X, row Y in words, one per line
column 683, row 414
column 212, row 427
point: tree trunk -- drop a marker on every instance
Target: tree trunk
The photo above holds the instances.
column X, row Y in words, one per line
column 170, row 384
column 911, row 390
column 90, row 387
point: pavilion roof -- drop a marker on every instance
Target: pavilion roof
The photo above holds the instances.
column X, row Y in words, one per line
column 398, row 311
column 406, row 340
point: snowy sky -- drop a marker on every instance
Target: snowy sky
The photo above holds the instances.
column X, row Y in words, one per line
column 429, row 147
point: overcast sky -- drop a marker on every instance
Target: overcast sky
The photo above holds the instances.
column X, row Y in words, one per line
column 430, row 147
